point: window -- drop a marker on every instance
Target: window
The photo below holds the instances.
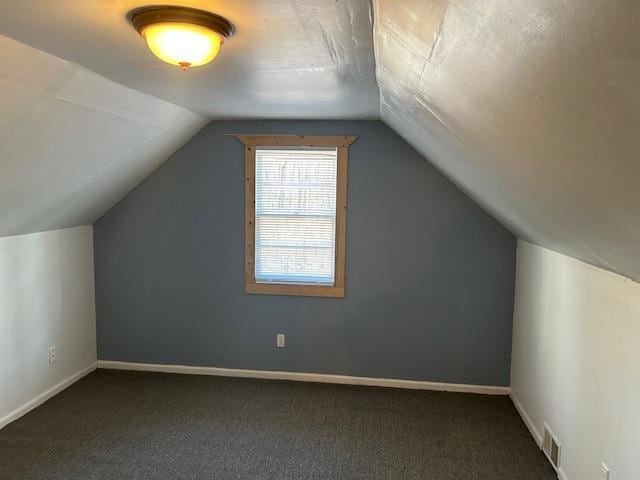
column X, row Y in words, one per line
column 295, row 214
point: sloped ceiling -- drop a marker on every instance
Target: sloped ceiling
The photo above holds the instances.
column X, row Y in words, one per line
column 532, row 106
column 288, row 58
column 73, row 143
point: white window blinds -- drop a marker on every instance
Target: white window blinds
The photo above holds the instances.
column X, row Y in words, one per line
column 295, row 215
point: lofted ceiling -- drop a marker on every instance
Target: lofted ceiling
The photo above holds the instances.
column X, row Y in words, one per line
column 72, row 143
column 531, row 106
column 288, row 58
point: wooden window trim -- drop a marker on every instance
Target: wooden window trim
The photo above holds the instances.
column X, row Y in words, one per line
column 342, row 144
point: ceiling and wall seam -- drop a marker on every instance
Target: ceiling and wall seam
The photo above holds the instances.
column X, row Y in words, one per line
column 454, row 181
column 133, row 149
column 121, row 116
column 372, row 20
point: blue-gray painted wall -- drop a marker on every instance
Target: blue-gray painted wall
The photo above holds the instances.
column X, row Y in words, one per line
column 429, row 275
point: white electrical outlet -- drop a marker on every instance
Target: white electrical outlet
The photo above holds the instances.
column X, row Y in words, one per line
column 604, row 472
column 280, row 342
column 52, row 355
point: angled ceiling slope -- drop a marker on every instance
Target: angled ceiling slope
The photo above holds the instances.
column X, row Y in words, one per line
column 532, row 107
column 72, row 143
column 287, row 59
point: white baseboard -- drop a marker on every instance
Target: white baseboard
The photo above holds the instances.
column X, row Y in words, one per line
column 44, row 396
column 527, row 420
column 533, row 430
column 305, row 377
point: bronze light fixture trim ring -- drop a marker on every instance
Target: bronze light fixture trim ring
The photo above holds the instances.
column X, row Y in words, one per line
column 144, row 16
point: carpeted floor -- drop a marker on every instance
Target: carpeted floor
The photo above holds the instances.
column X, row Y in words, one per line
column 128, row 425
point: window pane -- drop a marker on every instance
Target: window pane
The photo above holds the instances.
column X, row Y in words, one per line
column 295, row 215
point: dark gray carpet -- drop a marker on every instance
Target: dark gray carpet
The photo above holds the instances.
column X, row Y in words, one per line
column 126, row 425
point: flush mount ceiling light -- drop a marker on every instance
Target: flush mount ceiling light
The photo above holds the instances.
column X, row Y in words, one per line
column 186, row 37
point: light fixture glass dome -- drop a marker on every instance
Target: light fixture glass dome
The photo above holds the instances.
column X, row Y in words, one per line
column 182, row 44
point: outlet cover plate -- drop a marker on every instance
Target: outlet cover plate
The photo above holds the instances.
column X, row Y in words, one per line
column 52, row 355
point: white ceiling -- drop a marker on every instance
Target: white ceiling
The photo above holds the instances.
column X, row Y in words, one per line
column 531, row 106
column 288, row 58
column 72, row 143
